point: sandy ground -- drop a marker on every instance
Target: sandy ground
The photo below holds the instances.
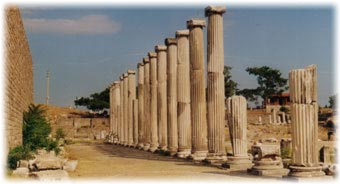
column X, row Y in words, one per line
column 102, row 162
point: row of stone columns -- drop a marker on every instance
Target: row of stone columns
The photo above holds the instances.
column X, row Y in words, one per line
column 174, row 112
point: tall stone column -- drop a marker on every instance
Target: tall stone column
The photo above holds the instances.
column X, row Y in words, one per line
column 304, row 108
column 111, row 108
column 125, row 110
column 237, row 121
column 183, row 94
column 117, row 111
column 121, row 109
column 153, row 101
column 147, row 124
column 141, row 114
column 274, row 116
column 131, row 97
column 171, row 71
column 197, row 89
column 161, row 97
column 215, row 93
column 135, row 122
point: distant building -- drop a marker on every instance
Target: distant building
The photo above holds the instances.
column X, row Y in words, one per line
column 276, row 101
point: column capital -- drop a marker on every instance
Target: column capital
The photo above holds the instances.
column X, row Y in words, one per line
column 152, row 55
column 215, row 10
column 121, row 77
column 140, row 64
column 115, row 82
column 184, row 32
column 196, row 22
column 159, row 48
column 170, row 41
column 125, row 75
column 146, row 60
column 130, row 72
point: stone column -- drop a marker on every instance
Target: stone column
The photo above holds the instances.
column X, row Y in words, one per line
column 237, row 121
column 215, row 93
column 111, row 108
column 284, row 118
column 117, row 112
column 183, row 94
column 135, row 122
column 197, row 90
column 274, row 116
column 171, row 44
column 125, row 110
column 270, row 119
column 121, row 109
column 141, row 114
column 147, row 124
column 161, row 97
column 304, row 108
column 131, row 97
column 153, row 101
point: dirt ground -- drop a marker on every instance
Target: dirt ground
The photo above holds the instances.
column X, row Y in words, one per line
column 103, row 162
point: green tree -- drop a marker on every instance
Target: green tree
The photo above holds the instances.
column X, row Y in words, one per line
column 35, row 128
column 96, row 101
column 269, row 82
column 230, row 86
column 332, row 101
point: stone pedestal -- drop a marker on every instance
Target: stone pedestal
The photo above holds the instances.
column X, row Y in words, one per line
column 153, row 101
column 215, row 93
column 171, row 44
column 197, row 89
column 161, row 97
column 304, row 109
column 147, row 124
column 141, row 114
column 267, row 160
column 237, row 121
column 183, row 94
column 131, row 96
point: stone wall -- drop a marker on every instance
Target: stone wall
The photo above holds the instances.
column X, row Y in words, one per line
column 18, row 76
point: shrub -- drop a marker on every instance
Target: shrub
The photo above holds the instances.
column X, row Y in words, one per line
column 35, row 128
column 52, row 145
column 284, row 109
column 60, row 134
column 16, row 154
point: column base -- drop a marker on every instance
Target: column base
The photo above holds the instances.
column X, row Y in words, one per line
column 198, row 155
column 173, row 151
column 163, row 148
column 184, row 153
column 140, row 145
column 299, row 171
column 238, row 163
column 146, row 146
column 153, row 148
column 268, row 168
column 216, row 159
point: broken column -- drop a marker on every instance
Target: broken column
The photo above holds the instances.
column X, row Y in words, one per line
column 215, row 92
column 197, row 90
column 125, row 109
column 237, row 121
column 153, row 101
column 147, row 125
column 131, row 96
column 141, row 114
column 183, row 94
column 304, row 114
column 161, row 97
column 171, row 44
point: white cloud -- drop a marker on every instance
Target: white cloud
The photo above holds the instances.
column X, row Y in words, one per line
column 90, row 24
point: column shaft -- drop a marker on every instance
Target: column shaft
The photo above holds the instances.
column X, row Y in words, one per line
column 131, row 97
column 125, row 110
column 147, row 124
column 153, row 101
column 141, row 114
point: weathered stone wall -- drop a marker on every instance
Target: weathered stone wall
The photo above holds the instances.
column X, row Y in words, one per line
column 18, row 76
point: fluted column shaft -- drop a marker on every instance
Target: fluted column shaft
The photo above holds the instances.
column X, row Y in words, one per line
column 131, row 97
column 125, row 110
column 215, row 93
column 172, row 94
column 135, row 121
column 161, row 97
column 147, row 123
column 237, row 121
column 197, row 89
column 183, row 94
column 153, row 101
column 141, row 114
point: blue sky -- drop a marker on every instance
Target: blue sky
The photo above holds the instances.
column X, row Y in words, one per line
column 86, row 49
